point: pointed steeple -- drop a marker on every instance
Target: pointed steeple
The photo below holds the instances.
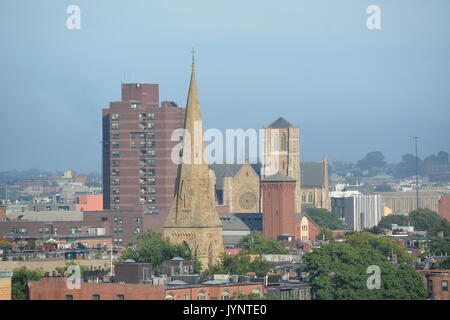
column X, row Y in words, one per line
column 193, row 217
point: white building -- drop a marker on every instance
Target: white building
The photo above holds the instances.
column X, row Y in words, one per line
column 358, row 212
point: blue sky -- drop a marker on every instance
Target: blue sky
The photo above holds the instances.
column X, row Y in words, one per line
column 349, row 89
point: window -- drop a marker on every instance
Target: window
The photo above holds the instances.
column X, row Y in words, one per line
column 69, row 297
column 225, row 295
column 115, row 181
column 151, row 153
column 444, row 284
column 305, row 228
column 201, row 295
column 118, row 231
column 115, row 172
column 150, row 125
column 151, row 162
column 138, row 220
column 303, row 197
column 141, row 125
column 150, row 116
column 115, row 144
column 151, row 172
column 115, row 208
column 115, row 163
column 151, row 181
column 310, row 197
column 95, row 297
column 115, row 135
column 151, row 144
column 115, row 116
column 283, row 143
column 134, row 105
column 150, row 135
column 118, row 220
column 115, row 191
column 187, row 296
column 120, row 297
column 145, row 274
column 116, row 154
column 116, row 199
column 115, row 126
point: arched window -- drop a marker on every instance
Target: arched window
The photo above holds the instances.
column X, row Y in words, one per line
column 95, row 297
column 120, row 297
column 256, row 292
column 170, row 296
column 69, row 297
column 225, row 295
column 201, row 295
column 310, row 197
column 303, row 197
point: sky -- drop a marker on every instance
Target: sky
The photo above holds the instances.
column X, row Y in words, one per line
column 351, row 90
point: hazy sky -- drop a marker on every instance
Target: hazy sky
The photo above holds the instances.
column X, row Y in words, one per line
column 351, row 90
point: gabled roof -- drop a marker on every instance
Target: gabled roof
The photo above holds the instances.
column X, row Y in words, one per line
column 278, row 177
column 312, row 174
column 229, row 170
column 281, row 123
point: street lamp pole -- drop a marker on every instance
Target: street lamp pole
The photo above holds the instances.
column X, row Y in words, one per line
column 417, row 173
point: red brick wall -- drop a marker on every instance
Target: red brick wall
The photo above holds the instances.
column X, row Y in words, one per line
column 278, row 208
column 56, row 289
column 436, row 278
column 444, row 207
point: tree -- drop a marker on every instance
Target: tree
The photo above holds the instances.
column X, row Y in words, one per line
column 339, row 271
column 240, row 264
column 445, row 264
column 325, row 219
column 21, row 277
column 4, row 244
column 255, row 243
column 325, row 233
column 388, row 221
column 371, row 160
column 150, row 247
column 387, row 247
column 438, row 247
column 429, row 221
column 407, row 167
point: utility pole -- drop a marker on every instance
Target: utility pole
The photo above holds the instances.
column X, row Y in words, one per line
column 417, row 173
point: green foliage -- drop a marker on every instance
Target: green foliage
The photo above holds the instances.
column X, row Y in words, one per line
column 438, row 246
column 407, row 167
column 388, row 221
column 21, row 277
column 325, row 233
column 371, row 160
column 430, row 221
column 422, row 220
column 255, row 243
column 240, row 264
column 150, row 247
column 338, row 271
column 325, row 219
column 4, row 244
column 445, row 264
column 387, row 247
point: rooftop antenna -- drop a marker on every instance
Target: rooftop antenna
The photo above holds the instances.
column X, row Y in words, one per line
column 417, row 173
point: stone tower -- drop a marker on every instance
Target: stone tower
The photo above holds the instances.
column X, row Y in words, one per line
column 282, row 153
column 193, row 218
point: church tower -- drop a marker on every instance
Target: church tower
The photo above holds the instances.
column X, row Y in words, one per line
column 193, row 218
column 282, row 153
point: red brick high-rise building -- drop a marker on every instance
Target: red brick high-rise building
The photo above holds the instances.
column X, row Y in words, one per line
column 278, row 192
column 138, row 173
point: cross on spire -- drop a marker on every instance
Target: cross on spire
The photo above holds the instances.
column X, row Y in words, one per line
column 193, row 55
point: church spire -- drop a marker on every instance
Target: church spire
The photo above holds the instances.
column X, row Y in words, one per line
column 193, row 217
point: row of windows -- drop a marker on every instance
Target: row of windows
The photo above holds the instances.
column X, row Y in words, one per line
column 141, row 116
column 142, row 163
column 97, row 297
column 150, row 181
column 142, row 125
column 119, row 220
column 310, row 197
column 202, row 295
column 142, row 135
column 142, row 152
